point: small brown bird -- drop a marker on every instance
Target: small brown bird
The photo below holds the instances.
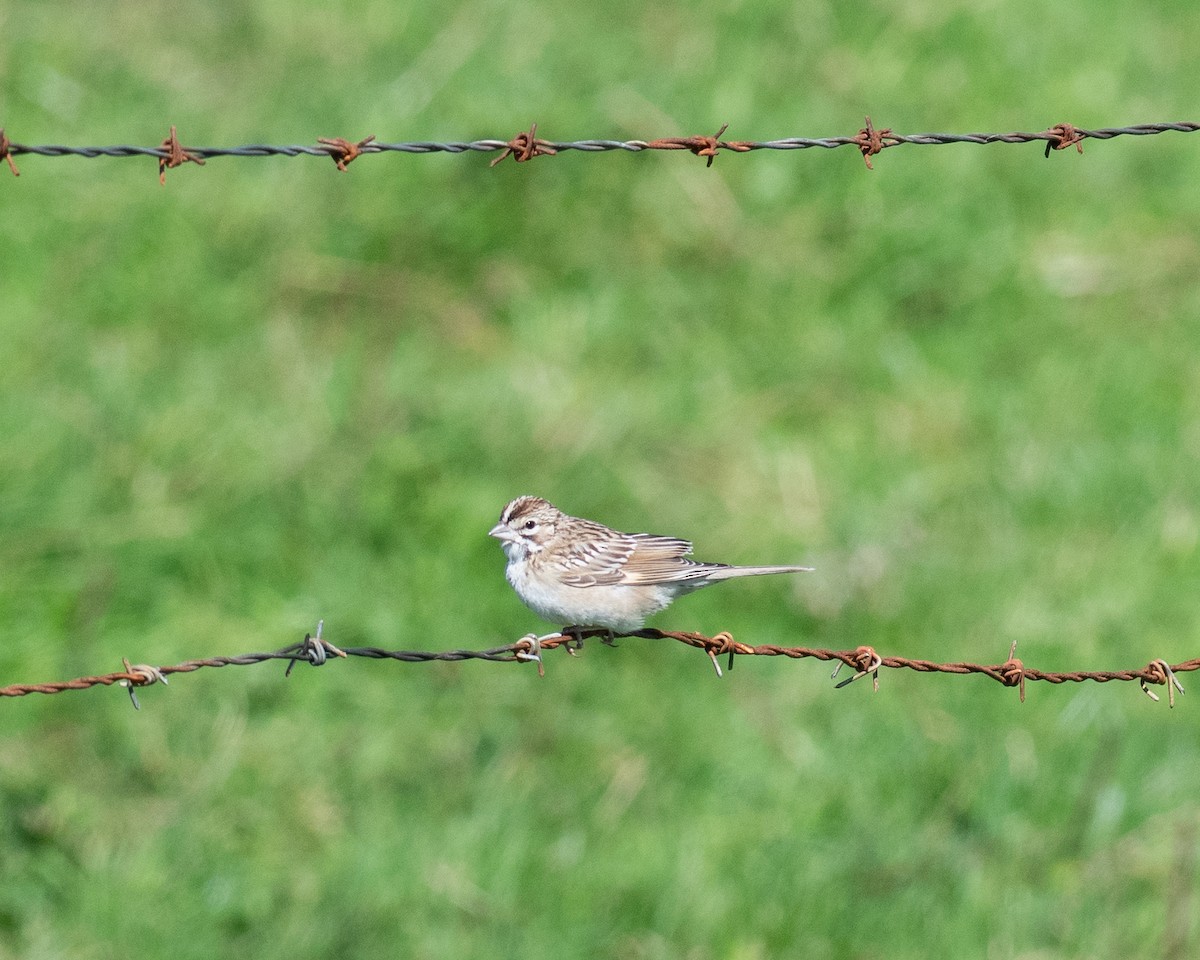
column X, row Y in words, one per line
column 576, row 572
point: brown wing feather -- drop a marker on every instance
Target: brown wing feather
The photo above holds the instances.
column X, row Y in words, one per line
column 634, row 558
column 596, row 557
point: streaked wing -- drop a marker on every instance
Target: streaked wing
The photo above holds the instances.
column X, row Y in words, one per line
column 627, row 558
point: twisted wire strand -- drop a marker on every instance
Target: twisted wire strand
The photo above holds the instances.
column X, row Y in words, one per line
column 316, row 651
column 526, row 145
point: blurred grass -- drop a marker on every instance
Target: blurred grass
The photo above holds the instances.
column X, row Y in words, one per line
column 964, row 386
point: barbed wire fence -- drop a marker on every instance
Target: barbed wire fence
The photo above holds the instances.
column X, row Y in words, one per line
column 865, row 661
column 527, row 145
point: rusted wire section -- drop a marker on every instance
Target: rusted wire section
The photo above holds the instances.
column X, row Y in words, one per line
column 701, row 146
column 1064, row 135
column 342, row 151
column 6, row 153
column 869, row 141
column 173, row 155
column 526, row 146
column 865, row 661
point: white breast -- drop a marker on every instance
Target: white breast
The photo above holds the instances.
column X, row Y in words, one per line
column 618, row 608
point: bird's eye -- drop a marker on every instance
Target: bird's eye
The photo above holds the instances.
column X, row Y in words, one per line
column 530, row 524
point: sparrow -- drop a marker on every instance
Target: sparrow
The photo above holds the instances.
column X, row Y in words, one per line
column 579, row 573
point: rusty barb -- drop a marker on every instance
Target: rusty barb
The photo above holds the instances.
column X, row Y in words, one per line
column 175, row 156
column 864, row 660
column 869, row 141
column 6, row 153
column 1063, row 135
column 702, row 146
column 525, row 146
column 342, row 151
column 1159, row 671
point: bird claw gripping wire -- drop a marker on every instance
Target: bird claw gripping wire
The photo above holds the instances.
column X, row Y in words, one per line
column 867, row 661
column 312, row 649
column 575, row 634
column 142, row 675
column 1161, row 673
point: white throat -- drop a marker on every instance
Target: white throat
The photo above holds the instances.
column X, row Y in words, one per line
column 518, row 551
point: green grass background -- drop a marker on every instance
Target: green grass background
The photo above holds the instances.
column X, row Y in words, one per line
column 964, row 386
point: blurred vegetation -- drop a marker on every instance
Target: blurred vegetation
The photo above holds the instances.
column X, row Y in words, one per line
column 963, row 386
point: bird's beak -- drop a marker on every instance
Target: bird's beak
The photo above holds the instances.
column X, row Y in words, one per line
column 501, row 532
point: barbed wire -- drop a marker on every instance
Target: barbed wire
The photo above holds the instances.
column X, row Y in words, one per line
column 526, row 145
column 315, row 650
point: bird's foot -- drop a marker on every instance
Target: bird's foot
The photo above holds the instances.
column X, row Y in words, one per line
column 576, row 631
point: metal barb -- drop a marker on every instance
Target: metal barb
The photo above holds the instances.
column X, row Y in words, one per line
column 142, row 675
column 6, row 153
column 1013, row 670
column 868, row 662
column 533, row 651
column 342, row 151
column 313, row 650
column 723, row 642
column 1063, row 135
column 1164, row 675
column 871, row 141
column 174, row 156
column 525, row 146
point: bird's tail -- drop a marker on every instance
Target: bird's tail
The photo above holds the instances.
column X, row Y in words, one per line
column 723, row 572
